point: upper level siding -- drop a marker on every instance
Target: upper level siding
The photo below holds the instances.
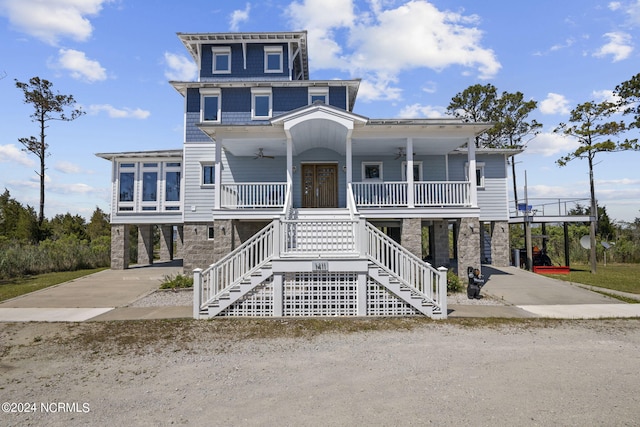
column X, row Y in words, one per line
column 254, row 62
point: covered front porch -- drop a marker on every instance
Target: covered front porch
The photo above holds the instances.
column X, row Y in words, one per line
column 320, row 157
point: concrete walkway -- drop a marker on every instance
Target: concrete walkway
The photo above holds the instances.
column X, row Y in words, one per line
column 107, row 295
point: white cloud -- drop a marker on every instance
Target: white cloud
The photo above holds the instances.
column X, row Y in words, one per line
column 416, row 111
column 52, row 20
column 181, row 68
column 77, row 188
column 554, row 104
column 67, row 167
column 81, row 67
column 383, row 41
column 619, row 46
column 239, row 16
column 614, row 5
column 551, row 144
column 10, row 153
column 119, row 113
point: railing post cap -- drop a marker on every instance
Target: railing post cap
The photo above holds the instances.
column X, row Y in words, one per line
column 197, row 270
column 441, row 268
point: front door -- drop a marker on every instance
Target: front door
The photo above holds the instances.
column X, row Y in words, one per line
column 319, row 185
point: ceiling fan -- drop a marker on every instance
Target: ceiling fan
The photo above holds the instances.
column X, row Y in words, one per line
column 401, row 153
column 260, row 155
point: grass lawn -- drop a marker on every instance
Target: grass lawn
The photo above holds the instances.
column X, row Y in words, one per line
column 619, row 277
column 15, row 287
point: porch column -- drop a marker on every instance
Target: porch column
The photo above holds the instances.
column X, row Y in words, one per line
column 411, row 237
column 166, row 243
column 145, row 244
column 218, row 174
column 349, row 165
column 289, row 160
column 410, row 192
column 120, row 246
column 471, row 158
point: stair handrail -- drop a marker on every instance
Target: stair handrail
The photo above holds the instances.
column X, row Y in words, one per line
column 427, row 281
column 232, row 268
column 287, row 209
column 351, row 203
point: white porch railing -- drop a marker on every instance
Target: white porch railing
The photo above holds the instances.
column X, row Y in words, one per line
column 253, row 195
column 427, row 281
column 444, row 193
column 426, row 194
column 218, row 277
column 318, row 237
column 380, row 193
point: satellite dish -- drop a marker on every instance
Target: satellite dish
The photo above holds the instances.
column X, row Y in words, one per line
column 585, row 242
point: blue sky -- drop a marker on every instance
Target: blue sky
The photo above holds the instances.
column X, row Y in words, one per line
column 116, row 57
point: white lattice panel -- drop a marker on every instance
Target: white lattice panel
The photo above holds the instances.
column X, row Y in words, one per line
column 320, row 294
column 381, row 302
column 257, row 303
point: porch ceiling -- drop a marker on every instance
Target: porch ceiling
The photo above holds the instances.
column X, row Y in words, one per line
column 315, row 134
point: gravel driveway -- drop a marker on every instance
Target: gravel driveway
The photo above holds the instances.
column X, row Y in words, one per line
column 322, row 372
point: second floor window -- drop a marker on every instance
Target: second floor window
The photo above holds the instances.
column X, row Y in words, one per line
column 208, row 174
column 210, row 106
column 319, row 94
column 273, row 59
column 221, row 60
column 261, row 104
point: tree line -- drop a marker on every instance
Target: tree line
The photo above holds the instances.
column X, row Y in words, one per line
column 63, row 243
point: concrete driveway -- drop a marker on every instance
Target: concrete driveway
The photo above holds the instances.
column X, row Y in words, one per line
column 103, row 294
column 107, row 295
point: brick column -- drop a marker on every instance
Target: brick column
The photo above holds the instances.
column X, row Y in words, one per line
column 411, row 237
column 440, row 243
column 468, row 246
column 500, row 243
column 119, row 246
column 145, row 244
column 197, row 248
column 166, row 243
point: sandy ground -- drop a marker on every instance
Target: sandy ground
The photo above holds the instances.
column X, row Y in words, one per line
column 330, row 372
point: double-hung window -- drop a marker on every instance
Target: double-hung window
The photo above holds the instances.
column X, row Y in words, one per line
column 273, row 59
column 372, row 171
column 210, row 102
column 261, row 104
column 221, row 60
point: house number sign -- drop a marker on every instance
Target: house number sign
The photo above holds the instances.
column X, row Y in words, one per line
column 320, row 266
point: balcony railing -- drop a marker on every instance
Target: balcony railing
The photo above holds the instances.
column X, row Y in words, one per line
column 425, row 194
column 253, row 195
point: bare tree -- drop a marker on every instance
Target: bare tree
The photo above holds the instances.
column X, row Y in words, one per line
column 47, row 106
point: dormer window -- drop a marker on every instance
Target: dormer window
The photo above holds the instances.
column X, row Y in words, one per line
column 273, row 59
column 221, row 60
column 319, row 94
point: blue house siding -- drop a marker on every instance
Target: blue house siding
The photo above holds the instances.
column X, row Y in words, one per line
column 338, row 97
column 255, row 62
column 286, row 99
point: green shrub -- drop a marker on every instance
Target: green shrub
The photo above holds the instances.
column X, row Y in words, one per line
column 453, row 283
column 178, row 281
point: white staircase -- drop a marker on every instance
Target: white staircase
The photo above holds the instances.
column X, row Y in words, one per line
column 318, row 248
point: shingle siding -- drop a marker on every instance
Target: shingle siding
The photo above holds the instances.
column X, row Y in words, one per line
column 254, row 62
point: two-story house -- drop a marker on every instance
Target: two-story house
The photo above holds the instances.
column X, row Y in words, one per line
column 287, row 203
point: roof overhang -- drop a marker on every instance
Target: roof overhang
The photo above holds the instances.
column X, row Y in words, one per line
column 141, row 154
column 194, row 41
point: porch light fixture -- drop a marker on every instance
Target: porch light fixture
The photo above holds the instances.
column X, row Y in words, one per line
column 294, row 169
column 344, row 168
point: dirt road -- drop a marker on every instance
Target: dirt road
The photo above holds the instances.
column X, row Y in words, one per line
column 322, row 373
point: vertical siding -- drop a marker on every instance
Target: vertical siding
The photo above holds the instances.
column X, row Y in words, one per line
column 338, row 97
